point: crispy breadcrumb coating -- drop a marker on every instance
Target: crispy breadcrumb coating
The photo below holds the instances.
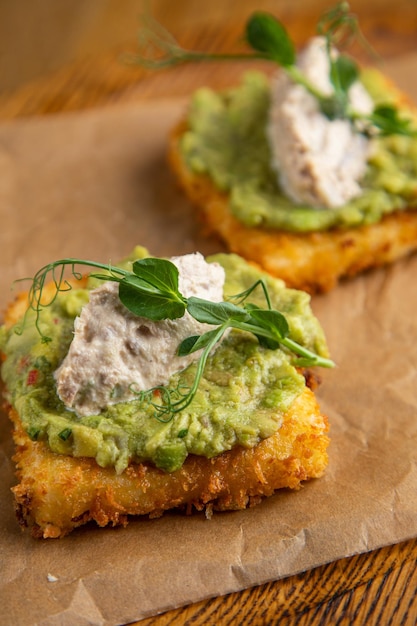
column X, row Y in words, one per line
column 57, row 493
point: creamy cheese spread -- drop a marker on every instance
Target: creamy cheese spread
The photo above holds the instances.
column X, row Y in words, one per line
column 114, row 353
column 319, row 161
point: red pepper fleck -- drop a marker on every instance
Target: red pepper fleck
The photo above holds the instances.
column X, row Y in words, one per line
column 156, row 393
column 32, row 377
column 23, row 363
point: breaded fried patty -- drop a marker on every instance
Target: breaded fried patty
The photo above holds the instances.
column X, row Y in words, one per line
column 57, row 493
column 313, row 260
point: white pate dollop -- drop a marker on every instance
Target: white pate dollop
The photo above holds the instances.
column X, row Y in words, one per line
column 319, row 162
column 114, row 351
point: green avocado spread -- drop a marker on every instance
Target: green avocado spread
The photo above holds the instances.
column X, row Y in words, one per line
column 241, row 399
column 227, row 141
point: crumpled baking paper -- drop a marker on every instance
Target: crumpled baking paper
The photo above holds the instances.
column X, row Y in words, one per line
column 93, row 185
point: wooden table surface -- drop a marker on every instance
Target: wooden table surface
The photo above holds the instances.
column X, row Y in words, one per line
column 373, row 588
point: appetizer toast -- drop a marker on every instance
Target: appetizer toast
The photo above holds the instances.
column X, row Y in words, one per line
column 57, row 493
column 312, row 172
column 313, row 261
column 64, row 484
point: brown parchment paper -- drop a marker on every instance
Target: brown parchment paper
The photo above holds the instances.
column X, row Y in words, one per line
column 93, row 185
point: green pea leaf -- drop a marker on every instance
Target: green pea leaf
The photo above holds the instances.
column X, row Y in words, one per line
column 160, row 273
column 334, row 107
column 196, row 342
column 270, row 319
column 267, row 35
column 152, row 290
column 187, row 345
column 144, row 300
column 214, row 312
column 387, row 119
column 344, row 72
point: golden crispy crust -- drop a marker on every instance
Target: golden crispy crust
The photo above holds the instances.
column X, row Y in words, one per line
column 315, row 261
column 57, row 493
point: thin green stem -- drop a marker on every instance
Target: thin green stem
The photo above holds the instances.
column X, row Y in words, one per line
column 290, row 344
column 298, row 77
column 183, row 56
column 314, row 359
column 181, row 404
column 243, row 295
column 36, row 292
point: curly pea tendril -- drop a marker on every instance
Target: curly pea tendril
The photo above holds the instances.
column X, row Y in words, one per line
column 151, row 291
column 269, row 40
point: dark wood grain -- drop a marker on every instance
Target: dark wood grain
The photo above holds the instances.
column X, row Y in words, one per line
column 372, row 588
column 100, row 79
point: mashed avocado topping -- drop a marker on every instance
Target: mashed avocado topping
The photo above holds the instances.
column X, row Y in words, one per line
column 227, row 141
column 241, row 398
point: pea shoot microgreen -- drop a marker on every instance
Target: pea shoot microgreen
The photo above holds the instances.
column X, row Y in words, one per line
column 269, row 40
column 151, row 290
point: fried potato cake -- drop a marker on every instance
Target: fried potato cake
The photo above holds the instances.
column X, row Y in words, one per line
column 313, row 261
column 57, row 493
